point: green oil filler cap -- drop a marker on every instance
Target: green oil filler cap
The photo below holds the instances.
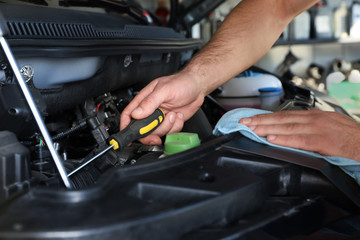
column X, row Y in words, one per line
column 179, row 142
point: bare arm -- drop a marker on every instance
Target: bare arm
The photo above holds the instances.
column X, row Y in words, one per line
column 245, row 36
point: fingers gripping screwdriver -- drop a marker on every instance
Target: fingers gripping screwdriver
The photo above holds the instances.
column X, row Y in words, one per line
column 137, row 128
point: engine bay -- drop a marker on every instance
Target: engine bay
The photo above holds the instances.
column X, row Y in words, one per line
column 82, row 68
column 81, row 74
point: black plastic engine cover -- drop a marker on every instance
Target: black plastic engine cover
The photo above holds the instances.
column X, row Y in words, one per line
column 14, row 165
column 228, row 186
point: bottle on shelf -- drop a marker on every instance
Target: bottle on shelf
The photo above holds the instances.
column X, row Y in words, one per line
column 355, row 20
column 341, row 21
column 299, row 28
column 162, row 12
column 323, row 21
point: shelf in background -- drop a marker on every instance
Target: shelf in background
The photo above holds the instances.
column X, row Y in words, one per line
column 348, row 40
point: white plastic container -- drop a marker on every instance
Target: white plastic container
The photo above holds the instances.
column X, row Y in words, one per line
column 341, row 21
column 355, row 20
column 243, row 90
column 334, row 77
column 270, row 98
column 354, row 76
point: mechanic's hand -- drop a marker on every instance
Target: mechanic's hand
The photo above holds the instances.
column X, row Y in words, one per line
column 179, row 96
column 328, row 133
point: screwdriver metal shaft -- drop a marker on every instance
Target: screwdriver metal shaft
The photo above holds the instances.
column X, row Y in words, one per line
column 91, row 159
column 136, row 129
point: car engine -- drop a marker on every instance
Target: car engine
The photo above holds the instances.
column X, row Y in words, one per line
column 82, row 68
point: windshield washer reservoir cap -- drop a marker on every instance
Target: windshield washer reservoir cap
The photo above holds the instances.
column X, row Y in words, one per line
column 270, row 89
column 179, row 142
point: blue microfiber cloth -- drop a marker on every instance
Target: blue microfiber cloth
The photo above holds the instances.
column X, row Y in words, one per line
column 229, row 123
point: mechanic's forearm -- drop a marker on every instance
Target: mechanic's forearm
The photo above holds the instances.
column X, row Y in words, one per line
column 245, row 36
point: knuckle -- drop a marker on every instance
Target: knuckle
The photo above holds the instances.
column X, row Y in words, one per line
column 146, row 140
column 178, row 125
column 290, row 127
column 148, row 101
column 163, row 129
column 281, row 117
column 260, row 130
column 317, row 121
column 257, row 119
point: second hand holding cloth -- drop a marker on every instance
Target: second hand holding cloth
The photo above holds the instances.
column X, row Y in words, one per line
column 229, row 123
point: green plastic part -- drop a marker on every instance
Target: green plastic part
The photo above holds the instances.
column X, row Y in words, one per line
column 179, row 142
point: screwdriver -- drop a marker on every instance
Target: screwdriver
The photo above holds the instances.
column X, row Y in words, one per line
column 137, row 128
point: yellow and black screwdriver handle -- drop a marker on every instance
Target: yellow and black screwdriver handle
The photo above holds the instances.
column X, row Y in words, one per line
column 138, row 128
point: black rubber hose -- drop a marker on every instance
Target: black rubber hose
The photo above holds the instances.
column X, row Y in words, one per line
column 69, row 131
